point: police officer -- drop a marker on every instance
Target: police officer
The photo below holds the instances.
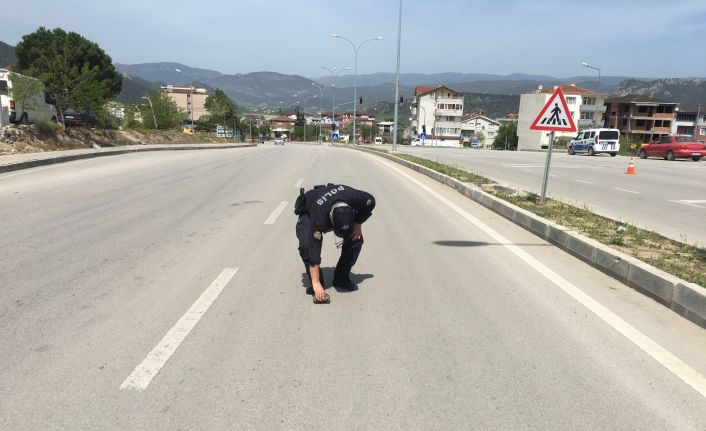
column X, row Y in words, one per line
column 338, row 208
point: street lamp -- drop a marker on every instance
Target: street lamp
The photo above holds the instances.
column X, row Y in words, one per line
column 333, row 90
column 152, row 108
column 321, row 104
column 355, row 72
column 696, row 123
column 584, row 64
column 397, row 79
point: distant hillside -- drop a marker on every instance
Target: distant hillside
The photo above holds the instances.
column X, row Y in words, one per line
column 134, row 89
column 492, row 105
column 167, row 72
column 688, row 92
column 7, row 55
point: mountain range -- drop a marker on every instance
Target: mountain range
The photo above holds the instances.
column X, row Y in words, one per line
column 496, row 95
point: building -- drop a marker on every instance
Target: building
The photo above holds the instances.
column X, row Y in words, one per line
column 640, row 118
column 480, row 127
column 437, row 113
column 686, row 123
column 188, row 99
column 282, row 125
column 586, row 107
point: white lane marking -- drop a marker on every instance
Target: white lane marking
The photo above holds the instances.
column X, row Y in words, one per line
column 298, row 183
column 155, row 360
column 691, row 203
column 511, row 165
column 626, row 191
column 664, row 357
column 584, row 182
column 273, row 217
column 554, row 176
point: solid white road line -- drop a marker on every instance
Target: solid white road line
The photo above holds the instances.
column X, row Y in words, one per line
column 583, row 182
column 626, row 191
column 153, row 363
column 273, row 217
column 299, row 183
column 664, row 357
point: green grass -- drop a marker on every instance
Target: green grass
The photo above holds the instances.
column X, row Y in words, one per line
column 674, row 257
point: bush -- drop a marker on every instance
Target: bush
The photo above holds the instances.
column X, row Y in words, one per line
column 48, row 127
column 562, row 141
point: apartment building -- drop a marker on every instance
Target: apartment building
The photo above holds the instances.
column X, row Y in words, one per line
column 690, row 121
column 586, row 107
column 641, row 118
column 188, row 99
column 437, row 113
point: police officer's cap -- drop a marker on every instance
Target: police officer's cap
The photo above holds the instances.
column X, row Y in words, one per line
column 343, row 218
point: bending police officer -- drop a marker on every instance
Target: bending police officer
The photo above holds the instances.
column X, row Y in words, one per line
column 338, row 208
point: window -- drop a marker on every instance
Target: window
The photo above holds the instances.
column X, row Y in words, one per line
column 589, row 101
column 571, row 100
column 642, row 109
column 665, row 140
column 703, row 131
column 658, row 123
column 587, row 115
column 640, row 123
column 579, row 136
column 590, row 135
column 666, row 124
column 625, row 122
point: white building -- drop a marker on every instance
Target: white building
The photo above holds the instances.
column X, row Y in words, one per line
column 586, row 107
column 481, row 127
column 436, row 114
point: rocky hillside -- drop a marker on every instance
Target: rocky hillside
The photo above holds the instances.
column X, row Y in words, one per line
column 687, row 92
column 7, row 55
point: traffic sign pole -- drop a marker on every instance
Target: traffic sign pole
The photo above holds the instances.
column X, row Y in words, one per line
column 546, row 167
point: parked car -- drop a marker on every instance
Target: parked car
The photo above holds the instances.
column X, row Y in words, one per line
column 37, row 107
column 279, row 141
column 595, row 141
column 416, row 142
column 76, row 118
column 378, row 140
column 673, row 147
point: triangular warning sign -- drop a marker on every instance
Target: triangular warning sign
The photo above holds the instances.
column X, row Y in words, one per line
column 555, row 115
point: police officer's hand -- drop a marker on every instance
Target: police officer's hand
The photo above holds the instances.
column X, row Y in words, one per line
column 357, row 232
column 318, row 291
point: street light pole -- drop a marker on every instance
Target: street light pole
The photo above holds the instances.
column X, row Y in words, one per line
column 584, row 64
column 321, row 105
column 696, row 123
column 333, row 91
column 397, row 79
column 355, row 72
column 152, row 108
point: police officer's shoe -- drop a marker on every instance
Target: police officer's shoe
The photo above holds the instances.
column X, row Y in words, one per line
column 344, row 284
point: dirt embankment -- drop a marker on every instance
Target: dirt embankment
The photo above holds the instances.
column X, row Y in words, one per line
column 31, row 139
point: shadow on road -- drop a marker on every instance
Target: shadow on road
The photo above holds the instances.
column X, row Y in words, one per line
column 480, row 244
column 328, row 278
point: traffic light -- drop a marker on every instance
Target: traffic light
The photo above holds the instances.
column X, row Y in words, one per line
column 361, row 100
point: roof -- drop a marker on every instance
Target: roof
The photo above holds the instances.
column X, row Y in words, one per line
column 282, row 119
column 571, row 89
column 420, row 90
column 470, row 117
column 639, row 98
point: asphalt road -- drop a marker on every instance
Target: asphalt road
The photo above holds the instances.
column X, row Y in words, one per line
column 164, row 291
column 666, row 197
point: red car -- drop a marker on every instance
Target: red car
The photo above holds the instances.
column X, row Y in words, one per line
column 671, row 147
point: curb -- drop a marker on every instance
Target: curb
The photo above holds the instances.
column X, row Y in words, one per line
column 71, row 157
column 684, row 298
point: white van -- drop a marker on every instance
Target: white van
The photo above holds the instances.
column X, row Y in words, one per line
column 594, row 141
column 378, row 140
column 37, row 106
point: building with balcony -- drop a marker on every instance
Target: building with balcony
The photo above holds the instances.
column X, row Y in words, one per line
column 480, row 127
column 437, row 113
column 585, row 106
column 690, row 121
column 188, row 99
column 640, row 118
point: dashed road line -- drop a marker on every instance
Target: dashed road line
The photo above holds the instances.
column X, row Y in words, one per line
column 299, row 183
column 273, row 217
column 155, row 360
column 583, row 182
column 626, row 191
column 691, row 202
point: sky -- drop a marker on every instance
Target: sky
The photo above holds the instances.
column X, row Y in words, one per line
column 639, row 38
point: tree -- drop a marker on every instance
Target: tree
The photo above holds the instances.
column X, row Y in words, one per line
column 506, row 137
column 76, row 72
column 219, row 107
column 166, row 113
column 23, row 88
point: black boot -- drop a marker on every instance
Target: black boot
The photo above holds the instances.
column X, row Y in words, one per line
column 343, row 282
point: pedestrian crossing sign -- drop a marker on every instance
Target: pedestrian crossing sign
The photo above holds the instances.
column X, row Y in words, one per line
column 555, row 116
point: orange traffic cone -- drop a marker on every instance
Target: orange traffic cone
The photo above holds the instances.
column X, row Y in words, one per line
column 631, row 168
